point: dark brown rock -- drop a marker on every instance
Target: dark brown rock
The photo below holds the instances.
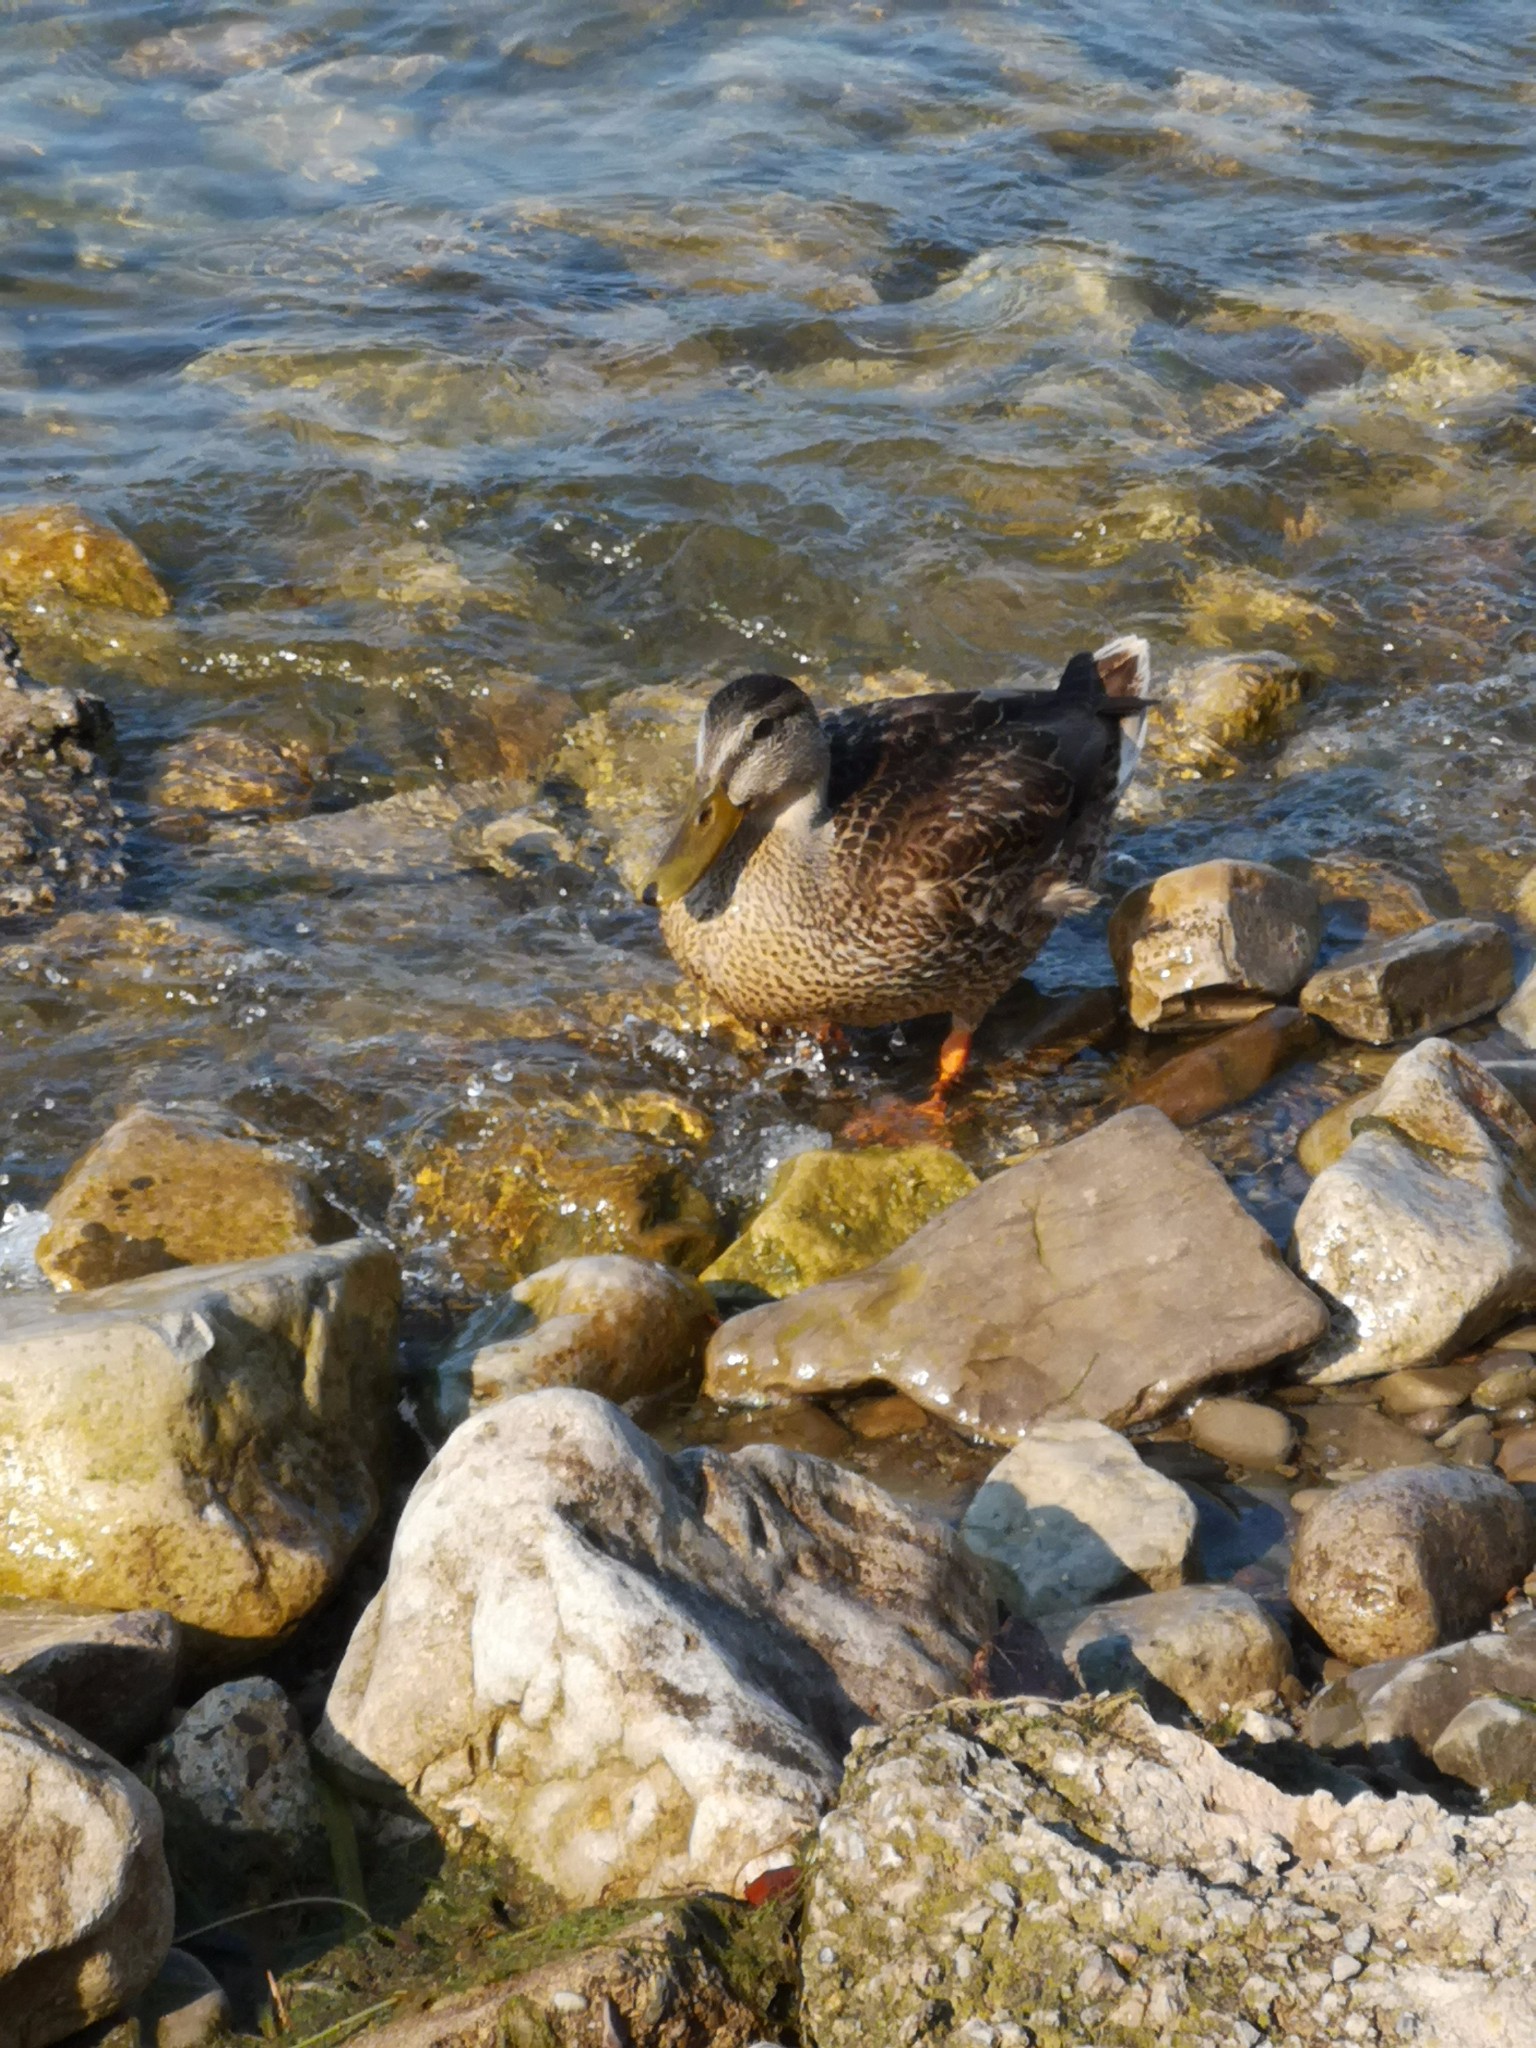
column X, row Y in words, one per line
column 111, row 1676
column 1428, row 980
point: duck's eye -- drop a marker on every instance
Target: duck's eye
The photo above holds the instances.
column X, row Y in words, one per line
column 763, row 727
column 706, row 811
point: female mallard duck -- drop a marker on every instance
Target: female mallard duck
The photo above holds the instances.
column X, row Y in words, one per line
column 894, row 859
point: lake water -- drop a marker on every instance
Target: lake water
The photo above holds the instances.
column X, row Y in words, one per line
column 427, row 349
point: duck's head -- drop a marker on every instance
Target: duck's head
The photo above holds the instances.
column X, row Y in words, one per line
column 761, row 748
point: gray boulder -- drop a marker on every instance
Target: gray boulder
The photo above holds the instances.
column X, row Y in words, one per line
column 1415, row 1699
column 85, row 1895
column 1212, row 1648
column 1432, row 979
column 1424, row 1230
column 1071, row 1514
column 109, row 1676
column 1105, row 1279
column 644, row 1671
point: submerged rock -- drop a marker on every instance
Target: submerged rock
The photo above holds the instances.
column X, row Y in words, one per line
column 1400, row 1562
column 835, row 1212
column 85, row 1897
column 645, row 1670
column 1424, row 1230
column 59, row 548
column 1225, row 701
column 611, row 1173
column 1104, row 1279
column 243, row 1818
column 163, row 1189
column 209, row 1442
column 219, row 771
column 60, row 832
column 1211, row 1649
column 1213, row 944
column 1072, row 1514
column 1427, row 980
column 1229, row 1068
column 622, row 1328
column 1025, row 1872
column 111, row 1676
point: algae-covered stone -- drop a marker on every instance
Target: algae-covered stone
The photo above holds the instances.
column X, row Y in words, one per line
column 1431, row 979
column 166, row 1189
column 610, row 1173
column 85, row 1896
column 1225, row 701
column 60, row 832
column 622, row 1328
column 1424, row 1230
column 1072, row 1514
column 1105, row 1279
column 642, row 1671
column 1213, row 944
column 210, row 1442
column 215, row 770
column 48, row 548
column 835, row 1212
column 1037, row 1875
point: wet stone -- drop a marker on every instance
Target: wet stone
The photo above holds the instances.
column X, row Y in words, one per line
column 1424, row 1231
column 1506, row 1383
column 1329, row 1138
column 1420, row 1389
column 835, row 1212
column 60, row 832
column 1400, row 1562
column 221, row 771
column 1104, row 1279
column 1517, row 1457
column 1072, row 1514
column 1243, row 1433
column 623, row 1328
column 1228, row 700
column 1428, row 980
column 1229, row 1068
column 166, row 1189
column 48, row 549
column 1214, row 944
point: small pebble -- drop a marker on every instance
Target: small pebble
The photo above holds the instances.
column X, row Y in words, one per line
column 1516, row 1416
column 1522, row 1338
column 1242, row 1433
column 568, row 2001
column 1305, row 1498
column 1514, row 1381
column 1432, row 1386
column 1430, row 1422
column 886, row 1415
column 1466, row 1431
column 1517, row 1457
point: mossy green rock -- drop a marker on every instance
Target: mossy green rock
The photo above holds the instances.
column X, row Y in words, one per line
column 831, row 1213
column 1028, row 1874
column 58, row 548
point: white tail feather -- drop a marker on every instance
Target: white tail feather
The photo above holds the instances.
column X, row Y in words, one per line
column 1132, row 730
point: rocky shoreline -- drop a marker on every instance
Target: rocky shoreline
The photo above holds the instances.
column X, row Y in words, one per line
column 886, row 1596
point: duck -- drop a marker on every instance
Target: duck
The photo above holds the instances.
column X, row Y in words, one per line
column 892, row 860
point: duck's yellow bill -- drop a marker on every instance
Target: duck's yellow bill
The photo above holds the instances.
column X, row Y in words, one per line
column 694, row 847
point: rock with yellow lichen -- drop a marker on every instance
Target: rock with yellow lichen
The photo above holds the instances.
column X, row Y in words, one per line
column 831, row 1213
column 608, row 1173
column 48, row 549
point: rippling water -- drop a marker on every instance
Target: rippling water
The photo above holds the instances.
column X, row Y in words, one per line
column 423, row 349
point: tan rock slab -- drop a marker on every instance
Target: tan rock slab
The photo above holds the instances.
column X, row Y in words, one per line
column 1428, row 980
column 1244, row 1433
column 1213, row 944
column 1106, row 1279
column 1403, row 1561
column 166, row 1189
column 209, row 1442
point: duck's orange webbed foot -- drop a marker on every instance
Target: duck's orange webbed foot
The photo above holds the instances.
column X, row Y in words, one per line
column 891, row 1121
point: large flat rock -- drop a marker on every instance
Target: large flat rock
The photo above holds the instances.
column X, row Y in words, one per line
column 1106, row 1279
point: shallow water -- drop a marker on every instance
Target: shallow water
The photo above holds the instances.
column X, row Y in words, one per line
column 608, row 345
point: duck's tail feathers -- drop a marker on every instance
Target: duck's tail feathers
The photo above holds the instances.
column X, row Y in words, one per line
column 1116, row 679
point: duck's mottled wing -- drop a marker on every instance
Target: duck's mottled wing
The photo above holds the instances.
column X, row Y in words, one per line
column 967, row 806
